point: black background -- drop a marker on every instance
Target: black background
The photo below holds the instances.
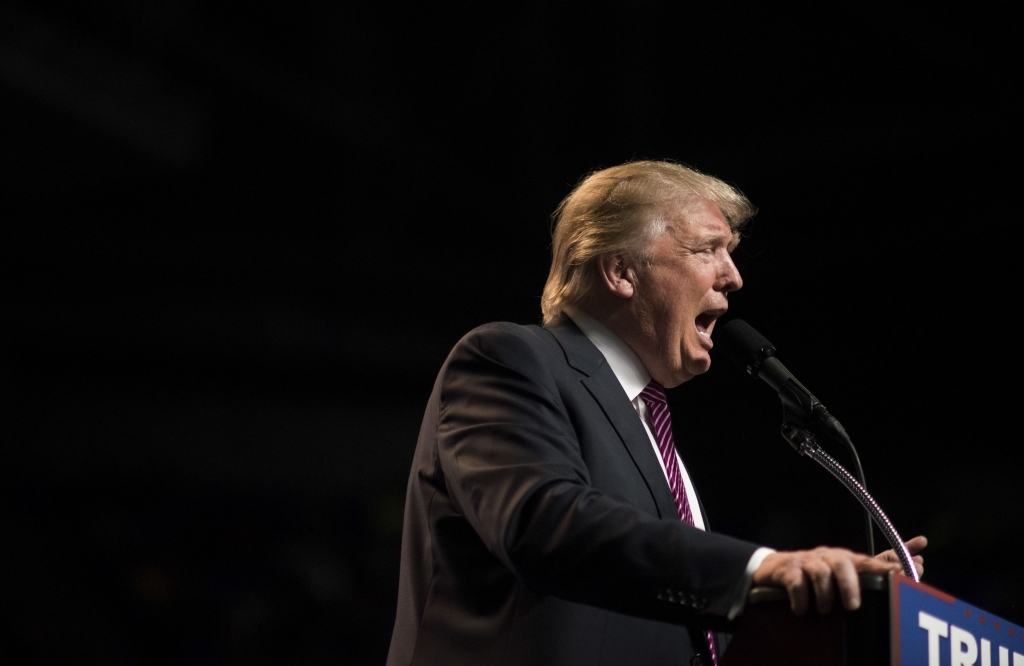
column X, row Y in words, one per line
column 239, row 240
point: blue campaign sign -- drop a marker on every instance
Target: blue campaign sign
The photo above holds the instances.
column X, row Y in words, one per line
column 931, row 628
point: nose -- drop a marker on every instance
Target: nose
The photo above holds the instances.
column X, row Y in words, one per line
column 729, row 278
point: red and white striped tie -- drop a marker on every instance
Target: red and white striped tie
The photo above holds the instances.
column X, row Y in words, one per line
column 654, row 397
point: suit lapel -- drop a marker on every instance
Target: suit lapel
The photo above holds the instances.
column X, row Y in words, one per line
column 601, row 383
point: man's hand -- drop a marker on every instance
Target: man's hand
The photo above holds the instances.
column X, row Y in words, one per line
column 914, row 546
column 824, row 569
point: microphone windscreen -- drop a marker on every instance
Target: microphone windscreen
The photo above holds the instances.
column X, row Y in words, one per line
column 743, row 345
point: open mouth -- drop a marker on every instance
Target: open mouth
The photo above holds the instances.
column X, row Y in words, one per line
column 705, row 320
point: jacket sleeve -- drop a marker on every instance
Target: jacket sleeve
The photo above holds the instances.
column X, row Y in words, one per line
column 513, row 467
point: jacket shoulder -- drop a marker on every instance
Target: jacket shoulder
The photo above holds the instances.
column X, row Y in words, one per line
column 502, row 341
column 500, row 348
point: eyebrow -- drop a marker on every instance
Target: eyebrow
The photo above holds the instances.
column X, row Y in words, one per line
column 716, row 239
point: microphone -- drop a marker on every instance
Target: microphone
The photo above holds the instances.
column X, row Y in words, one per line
column 753, row 353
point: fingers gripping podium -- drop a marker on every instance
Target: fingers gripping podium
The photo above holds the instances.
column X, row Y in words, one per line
column 900, row 623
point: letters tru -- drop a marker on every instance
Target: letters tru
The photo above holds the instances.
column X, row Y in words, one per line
column 963, row 646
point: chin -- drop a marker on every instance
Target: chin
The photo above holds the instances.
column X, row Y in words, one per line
column 699, row 365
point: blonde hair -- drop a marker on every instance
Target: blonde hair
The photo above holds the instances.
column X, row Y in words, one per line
column 622, row 209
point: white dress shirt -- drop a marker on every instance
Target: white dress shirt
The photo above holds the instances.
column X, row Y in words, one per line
column 633, row 377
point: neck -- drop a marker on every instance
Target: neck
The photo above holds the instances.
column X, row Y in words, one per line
column 613, row 313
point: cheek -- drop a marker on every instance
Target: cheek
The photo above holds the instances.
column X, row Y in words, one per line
column 691, row 302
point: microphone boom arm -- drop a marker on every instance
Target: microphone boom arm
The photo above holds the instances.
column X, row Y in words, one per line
column 805, row 443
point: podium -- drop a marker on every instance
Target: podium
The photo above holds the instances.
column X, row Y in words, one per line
column 899, row 623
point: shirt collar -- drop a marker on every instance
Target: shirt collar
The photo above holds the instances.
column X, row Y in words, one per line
column 623, row 361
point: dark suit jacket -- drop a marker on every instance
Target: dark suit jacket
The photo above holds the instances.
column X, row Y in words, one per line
column 539, row 527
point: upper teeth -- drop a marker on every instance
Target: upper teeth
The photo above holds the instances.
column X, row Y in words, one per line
column 704, row 333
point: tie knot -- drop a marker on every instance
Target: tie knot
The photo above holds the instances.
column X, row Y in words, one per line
column 654, row 392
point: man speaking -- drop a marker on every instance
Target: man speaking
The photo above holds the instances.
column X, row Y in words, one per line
column 549, row 518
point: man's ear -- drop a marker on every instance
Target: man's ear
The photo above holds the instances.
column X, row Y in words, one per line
column 617, row 275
